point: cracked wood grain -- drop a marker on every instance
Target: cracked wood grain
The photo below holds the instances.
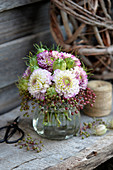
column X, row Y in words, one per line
column 24, row 21
column 7, row 5
column 89, row 158
column 23, row 163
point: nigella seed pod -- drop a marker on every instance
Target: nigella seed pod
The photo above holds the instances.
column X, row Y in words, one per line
column 59, row 64
column 99, row 130
column 69, row 63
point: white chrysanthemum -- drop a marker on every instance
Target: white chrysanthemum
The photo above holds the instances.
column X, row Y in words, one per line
column 65, row 83
column 39, row 81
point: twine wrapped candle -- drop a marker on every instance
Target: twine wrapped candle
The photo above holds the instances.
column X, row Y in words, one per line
column 103, row 102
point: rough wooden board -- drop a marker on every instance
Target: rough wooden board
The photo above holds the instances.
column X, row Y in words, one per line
column 68, row 154
column 12, row 65
column 104, row 149
column 9, row 98
column 25, row 20
column 12, row 54
column 6, row 4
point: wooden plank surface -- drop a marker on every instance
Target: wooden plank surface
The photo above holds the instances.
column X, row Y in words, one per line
column 71, row 154
column 12, row 65
column 23, row 21
column 6, row 4
column 12, row 54
column 9, row 98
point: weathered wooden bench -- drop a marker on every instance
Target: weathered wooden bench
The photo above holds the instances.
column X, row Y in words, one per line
column 75, row 153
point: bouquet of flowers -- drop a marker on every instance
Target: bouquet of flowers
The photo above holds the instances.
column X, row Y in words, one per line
column 55, row 79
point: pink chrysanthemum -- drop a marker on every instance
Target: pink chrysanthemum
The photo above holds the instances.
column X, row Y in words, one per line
column 55, row 54
column 27, row 72
column 67, row 55
column 65, row 83
column 44, row 60
column 81, row 75
column 39, row 81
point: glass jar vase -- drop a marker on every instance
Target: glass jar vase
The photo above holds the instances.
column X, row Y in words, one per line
column 56, row 123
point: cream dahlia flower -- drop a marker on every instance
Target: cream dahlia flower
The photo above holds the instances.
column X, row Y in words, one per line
column 65, row 83
column 39, row 81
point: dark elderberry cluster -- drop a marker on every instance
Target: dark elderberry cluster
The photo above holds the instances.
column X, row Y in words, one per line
column 79, row 101
column 85, row 97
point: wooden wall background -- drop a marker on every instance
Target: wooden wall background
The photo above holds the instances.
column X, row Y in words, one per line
column 112, row 8
column 22, row 23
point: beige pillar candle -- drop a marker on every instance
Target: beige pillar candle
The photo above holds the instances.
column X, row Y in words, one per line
column 103, row 102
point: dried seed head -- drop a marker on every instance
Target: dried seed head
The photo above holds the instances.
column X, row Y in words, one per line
column 99, row 130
